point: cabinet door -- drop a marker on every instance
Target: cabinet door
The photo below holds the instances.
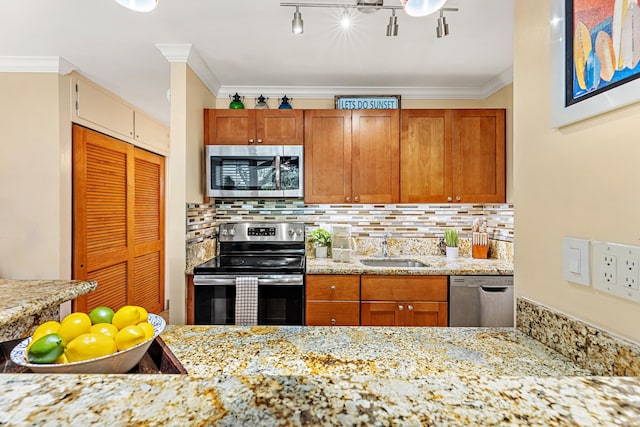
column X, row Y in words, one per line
column 229, row 127
column 376, row 313
column 404, row 288
column 375, row 169
column 327, row 156
column 418, row 313
column 339, row 313
column 479, row 156
column 425, row 156
column 279, row 127
column 151, row 133
column 333, row 288
column 99, row 107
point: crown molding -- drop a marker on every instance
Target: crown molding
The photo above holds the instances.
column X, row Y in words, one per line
column 35, row 64
column 327, row 92
column 187, row 53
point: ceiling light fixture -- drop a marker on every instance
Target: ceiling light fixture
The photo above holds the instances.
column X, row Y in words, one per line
column 411, row 7
column 421, row 7
column 139, row 5
column 443, row 28
column 297, row 25
column 392, row 27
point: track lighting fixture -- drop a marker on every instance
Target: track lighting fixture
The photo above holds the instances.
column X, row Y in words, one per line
column 411, row 7
column 443, row 28
column 392, row 27
column 297, row 25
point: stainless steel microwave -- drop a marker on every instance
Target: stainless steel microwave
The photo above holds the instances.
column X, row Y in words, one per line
column 245, row 171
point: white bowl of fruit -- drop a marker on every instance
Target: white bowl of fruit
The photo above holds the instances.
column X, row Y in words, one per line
column 101, row 342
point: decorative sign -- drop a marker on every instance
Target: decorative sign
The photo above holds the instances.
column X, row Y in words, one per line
column 367, row 102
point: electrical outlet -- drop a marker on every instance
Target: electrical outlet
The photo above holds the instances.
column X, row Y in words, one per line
column 630, row 273
column 610, row 269
column 616, row 269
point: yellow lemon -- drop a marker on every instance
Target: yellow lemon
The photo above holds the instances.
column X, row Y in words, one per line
column 104, row 328
column 62, row 359
column 144, row 314
column 73, row 325
column 89, row 346
column 129, row 336
column 147, row 327
column 50, row 327
column 127, row 315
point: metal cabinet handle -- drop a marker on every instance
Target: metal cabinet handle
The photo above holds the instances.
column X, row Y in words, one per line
column 458, row 198
column 400, row 308
column 333, row 287
column 356, row 198
column 410, row 307
column 348, row 199
column 333, row 321
column 259, row 141
column 449, row 198
column 251, row 141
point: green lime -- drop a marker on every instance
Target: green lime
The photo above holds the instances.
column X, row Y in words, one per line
column 46, row 349
column 101, row 315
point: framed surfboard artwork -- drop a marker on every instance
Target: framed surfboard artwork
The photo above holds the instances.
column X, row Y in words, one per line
column 595, row 57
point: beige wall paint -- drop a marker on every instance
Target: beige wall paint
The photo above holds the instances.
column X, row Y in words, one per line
column 563, row 186
column 35, row 173
column 198, row 98
column 189, row 96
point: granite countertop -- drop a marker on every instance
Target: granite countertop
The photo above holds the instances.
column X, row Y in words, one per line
column 436, row 265
column 24, row 302
column 334, row 376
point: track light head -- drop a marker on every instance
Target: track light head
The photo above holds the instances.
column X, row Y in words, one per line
column 392, row 27
column 297, row 25
column 443, row 28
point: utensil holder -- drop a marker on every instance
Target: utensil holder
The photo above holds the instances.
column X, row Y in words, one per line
column 479, row 251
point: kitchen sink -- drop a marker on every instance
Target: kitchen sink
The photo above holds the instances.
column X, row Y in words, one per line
column 392, row 262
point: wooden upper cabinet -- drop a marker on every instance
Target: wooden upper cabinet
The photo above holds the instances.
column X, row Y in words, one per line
column 479, row 156
column 352, row 156
column 375, row 161
column 425, row 159
column 246, row 127
column 453, row 156
column 327, row 156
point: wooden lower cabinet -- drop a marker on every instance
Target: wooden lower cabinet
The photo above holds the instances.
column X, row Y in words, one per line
column 404, row 313
column 332, row 300
column 404, row 301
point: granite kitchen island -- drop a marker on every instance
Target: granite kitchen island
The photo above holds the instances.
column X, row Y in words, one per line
column 334, row 376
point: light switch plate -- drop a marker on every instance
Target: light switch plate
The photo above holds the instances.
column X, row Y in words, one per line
column 576, row 260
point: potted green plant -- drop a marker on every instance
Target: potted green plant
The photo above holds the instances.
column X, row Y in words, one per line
column 451, row 242
column 321, row 240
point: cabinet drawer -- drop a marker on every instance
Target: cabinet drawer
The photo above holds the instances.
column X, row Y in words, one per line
column 333, row 313
column 333, row 288
column 404, row 288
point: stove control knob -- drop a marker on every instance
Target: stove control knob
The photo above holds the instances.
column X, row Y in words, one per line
column 292, row 232
column 223, row 232
column 232, row 231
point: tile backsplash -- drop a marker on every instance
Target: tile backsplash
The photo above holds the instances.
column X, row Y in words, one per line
column 367, row 220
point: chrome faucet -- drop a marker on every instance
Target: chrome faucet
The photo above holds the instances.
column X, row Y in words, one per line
column 385, row 246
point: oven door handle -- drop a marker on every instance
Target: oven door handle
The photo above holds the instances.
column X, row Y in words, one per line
column 231, row 281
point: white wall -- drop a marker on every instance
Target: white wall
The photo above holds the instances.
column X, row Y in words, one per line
column 580, row 181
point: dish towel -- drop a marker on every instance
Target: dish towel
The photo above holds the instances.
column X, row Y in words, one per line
column 246, row 301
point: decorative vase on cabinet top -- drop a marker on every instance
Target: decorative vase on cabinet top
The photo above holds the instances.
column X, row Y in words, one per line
column 236, row 102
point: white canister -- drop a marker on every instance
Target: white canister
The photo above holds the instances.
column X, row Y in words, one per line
column 452, row 251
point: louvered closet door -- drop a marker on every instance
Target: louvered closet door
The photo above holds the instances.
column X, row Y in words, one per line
column 118, row 222
column 148, row 267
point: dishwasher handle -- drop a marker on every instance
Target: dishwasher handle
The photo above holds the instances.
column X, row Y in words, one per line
column 495, row 289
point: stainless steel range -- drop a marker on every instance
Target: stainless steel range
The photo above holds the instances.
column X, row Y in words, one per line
column 257, row 277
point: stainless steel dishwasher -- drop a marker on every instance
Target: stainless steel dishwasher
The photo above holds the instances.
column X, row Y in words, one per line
column 481, row 301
